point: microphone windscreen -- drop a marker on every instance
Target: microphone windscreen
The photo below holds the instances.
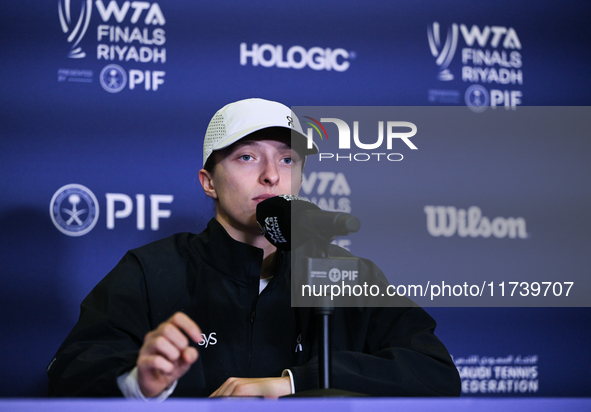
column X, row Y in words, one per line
column 274, row 216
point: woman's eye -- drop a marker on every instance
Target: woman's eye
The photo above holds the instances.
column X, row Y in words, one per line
column 288, row 160
column 245, row 157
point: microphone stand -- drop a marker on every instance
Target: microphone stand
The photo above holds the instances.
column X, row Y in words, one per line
column 323, row 314
column 324, row 350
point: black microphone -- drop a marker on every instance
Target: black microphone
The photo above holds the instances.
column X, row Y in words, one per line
column 274, row 217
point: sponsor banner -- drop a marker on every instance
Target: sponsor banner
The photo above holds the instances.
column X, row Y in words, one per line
column 127, row 39
column 480, row 66
column 500, row 375
column 296, row 57
column 138, row 81
column 419, row 186
column 448, row 221
column 74, row 209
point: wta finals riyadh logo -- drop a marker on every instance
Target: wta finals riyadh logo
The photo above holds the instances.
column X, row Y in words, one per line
column 74, row 210
column 75, row 30
column 443, row 55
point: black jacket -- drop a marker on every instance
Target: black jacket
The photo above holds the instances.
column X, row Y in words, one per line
column 215, row 280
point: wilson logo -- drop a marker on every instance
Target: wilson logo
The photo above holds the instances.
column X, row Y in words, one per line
column 448, row 221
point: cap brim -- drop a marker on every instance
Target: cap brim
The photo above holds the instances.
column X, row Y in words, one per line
column 233, row 138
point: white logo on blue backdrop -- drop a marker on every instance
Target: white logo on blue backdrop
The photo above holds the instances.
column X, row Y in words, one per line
column 113, row 78
column 74, row 210
column 477, row 98
column 75, row 30
column 443, row 54
column 448, row 221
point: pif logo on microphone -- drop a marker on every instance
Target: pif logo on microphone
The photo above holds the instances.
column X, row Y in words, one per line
column 335, row 275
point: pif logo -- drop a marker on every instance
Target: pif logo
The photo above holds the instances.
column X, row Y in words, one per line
column 346, row 275
column 113, row 78
column 387, row 131
column 74, row 209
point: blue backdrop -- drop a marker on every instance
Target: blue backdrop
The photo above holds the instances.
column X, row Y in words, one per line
column 115, row 97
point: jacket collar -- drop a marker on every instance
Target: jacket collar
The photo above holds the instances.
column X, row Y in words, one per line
column 234, row 259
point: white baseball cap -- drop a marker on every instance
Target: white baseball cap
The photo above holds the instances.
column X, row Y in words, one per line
column 239, row 119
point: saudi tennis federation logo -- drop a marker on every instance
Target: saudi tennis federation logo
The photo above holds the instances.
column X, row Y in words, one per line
column 74, row 210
